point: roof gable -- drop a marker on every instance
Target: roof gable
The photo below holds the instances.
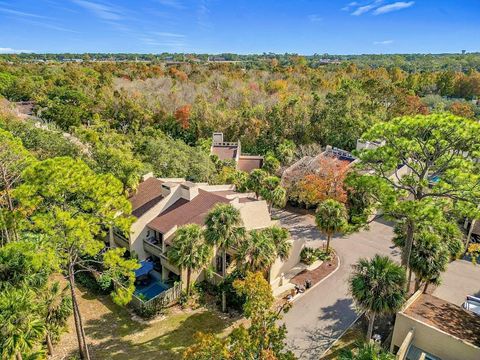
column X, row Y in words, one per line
column 148, row 193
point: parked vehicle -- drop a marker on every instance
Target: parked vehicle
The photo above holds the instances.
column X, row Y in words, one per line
column 472, row 304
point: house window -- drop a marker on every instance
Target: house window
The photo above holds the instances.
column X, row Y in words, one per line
column 218, row 264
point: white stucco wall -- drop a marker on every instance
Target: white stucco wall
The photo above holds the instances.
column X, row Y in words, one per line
column 280, row 267
column 432, row 340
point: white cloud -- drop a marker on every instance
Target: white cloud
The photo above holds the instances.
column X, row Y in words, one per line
column 168, row 34
column 176, row 4
column 49, row 26
column 384, row 42
column 399, row 5
column 170, row 43
column 363, row 9
column 8, row 50
column 203, row 15
column 315, row 18
column 349, row 6
column 102, row 11
column 164, row 39
column 20, row 13
column 358, row 9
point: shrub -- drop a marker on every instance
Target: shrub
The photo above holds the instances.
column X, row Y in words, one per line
column 234, row 300
column 323, row 254
column 309, row 255
column 87, row 280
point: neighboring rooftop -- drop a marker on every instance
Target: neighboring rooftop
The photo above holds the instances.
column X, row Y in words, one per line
column 148, row 193
column 248, row 163
column 339, row 154
column 446, row 317
column 233, row 151
column 225, row 152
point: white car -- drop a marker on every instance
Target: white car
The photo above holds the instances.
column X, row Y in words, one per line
column 472, row 304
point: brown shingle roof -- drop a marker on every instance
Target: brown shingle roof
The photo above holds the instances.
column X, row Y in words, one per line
column 149, row 193
column 249, row 163
column 225, row 152
column 185, row 212
column 447, row 317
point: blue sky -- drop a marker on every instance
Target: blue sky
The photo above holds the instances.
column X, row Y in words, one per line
column 240, row 26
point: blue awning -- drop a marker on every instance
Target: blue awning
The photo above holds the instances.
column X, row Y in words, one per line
column 145, row 268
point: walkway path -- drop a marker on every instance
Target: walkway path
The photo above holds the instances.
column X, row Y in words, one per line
column 325, row 311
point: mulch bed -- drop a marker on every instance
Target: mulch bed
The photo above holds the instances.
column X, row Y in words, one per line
column 317, row 274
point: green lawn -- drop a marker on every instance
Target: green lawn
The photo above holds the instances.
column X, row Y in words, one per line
column 115, row 334
column 347, row 342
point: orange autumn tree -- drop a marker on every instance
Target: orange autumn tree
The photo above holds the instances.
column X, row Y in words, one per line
column 182, row 115
column 462, row 109
column 326, row 183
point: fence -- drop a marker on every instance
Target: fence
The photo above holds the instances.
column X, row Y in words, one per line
column 155, row 305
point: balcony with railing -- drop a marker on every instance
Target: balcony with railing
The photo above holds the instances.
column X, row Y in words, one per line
column 120, row 239
column 154, row 247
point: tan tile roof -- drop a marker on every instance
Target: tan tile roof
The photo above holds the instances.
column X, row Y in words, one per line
column 185, row 212
column 148, row 193
column 224, row 193
column 225, row 152
column 447, row 317
column 249, row 163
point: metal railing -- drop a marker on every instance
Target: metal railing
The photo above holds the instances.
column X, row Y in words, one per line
column 121, row 240
column 225, row 143
column 153, row 249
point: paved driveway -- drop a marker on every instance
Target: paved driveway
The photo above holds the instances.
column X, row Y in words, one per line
column 327, row 310
column 462, row 278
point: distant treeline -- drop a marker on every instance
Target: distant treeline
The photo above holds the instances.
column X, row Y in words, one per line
column 406, row 62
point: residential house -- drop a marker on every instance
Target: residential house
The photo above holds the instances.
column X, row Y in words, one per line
column 431, row 328
column 233, row 151
column 161, row 206
column 313, row 164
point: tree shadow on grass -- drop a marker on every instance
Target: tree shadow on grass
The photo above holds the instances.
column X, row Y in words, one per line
column 162, row 339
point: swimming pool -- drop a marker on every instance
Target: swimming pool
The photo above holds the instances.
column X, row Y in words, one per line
column 151, row 290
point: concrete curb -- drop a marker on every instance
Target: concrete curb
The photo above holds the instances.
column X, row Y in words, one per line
column 299, row 296
column 340, row 336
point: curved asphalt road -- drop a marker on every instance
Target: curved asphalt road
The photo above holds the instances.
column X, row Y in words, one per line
column 325, row 311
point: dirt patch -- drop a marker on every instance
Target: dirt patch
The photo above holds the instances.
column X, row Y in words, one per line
column 316, row 275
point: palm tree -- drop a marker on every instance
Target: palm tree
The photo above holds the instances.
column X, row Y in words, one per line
column 280, row 238
column 429, row 258
column 189, row 250
column 57, row 307
column 255, row 181
column 367, row 351
column 257, row 252
column 331, row 218
column 262, row 247
column 21, row 327
column 224, row 228
column 273, row 192
column 377, row 287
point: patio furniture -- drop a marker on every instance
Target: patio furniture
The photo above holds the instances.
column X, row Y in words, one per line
column 145, row 268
